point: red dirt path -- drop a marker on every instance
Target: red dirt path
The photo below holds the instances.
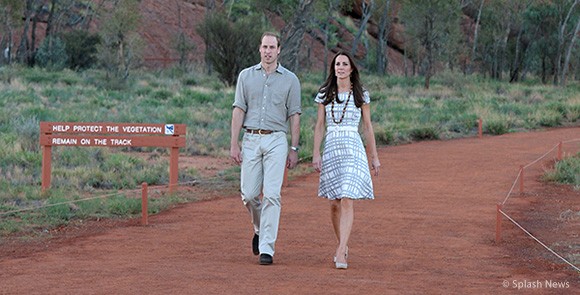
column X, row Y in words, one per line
column 431, row 230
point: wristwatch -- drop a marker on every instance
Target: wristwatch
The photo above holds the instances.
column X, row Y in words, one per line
column 295, row 148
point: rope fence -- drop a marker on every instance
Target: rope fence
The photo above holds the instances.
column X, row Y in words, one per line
column 144, row 190
column 520, row 179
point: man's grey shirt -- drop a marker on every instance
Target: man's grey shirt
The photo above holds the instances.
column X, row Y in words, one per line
column 267, row 100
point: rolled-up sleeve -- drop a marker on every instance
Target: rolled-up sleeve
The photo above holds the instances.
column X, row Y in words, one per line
column 240, row 100
column 294, row 97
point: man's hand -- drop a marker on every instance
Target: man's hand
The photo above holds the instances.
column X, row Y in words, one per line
column 236, row 154
column 292, row 159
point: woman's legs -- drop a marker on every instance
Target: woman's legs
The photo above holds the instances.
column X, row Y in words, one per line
column 335, row 218
column 342, row 219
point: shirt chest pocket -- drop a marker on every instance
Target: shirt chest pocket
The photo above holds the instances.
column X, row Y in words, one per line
column 278, row 98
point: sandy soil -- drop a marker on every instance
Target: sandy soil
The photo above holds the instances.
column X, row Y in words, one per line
column 431, row 230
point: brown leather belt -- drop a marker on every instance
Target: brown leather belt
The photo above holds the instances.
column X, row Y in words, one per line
column 259, row 131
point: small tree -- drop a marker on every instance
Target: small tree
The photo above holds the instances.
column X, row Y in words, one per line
column 434, row 24
column 52, row 54
column 234, row 46
column 81, row 49
column 120, row 48
column 182, row 43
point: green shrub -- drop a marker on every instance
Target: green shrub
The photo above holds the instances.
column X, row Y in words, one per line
column 573, row 112
column 232, row 46
column 122, row 206
column 566, row 171
column 81, row 48
column 52, row 54
column 384, row 136
column 59, row 214
column 424, row 133
column 199, row 97
column 162, row 94
column 550, row 118
column 496, row 126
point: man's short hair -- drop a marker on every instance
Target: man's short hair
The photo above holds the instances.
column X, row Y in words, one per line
column 273, row 34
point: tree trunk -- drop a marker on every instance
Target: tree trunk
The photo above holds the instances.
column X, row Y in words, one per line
column 209, row 7
column 50, row 20
column 325, row 28
column 325, row 41
column 7, row 51
column 405, row 63
column 515, row 69
column 292, row 35
column 382, row 50
column 503, row 48
column 475, row 36
column 544, row 70
column 32, row 49
column 23, row 47
column 561, row 34
column 429, row 31
column 569, row 53
column 367, row 12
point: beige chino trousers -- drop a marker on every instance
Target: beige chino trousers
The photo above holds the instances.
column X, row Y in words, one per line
column 263, row 163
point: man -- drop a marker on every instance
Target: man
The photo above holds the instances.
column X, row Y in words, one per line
column 267, row 98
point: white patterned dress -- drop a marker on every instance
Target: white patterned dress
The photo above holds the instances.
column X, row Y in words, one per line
column 345, row 170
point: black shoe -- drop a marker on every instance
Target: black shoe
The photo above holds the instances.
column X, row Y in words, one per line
column 266, row 259
column 255, row 243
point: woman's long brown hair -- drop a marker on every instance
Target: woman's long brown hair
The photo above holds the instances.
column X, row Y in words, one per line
column 329, row 89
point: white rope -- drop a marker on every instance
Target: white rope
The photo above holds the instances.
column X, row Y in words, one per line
column 540, row 242
column 517, row 224
column 512, row 189
column 56, row 204
column 571, row 140
column 538, row 159
column 532, row 163
column 155, row 188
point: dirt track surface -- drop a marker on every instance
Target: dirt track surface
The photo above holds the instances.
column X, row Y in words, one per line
column 431, row 230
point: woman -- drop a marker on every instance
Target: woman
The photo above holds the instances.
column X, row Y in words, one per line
column 344, row 169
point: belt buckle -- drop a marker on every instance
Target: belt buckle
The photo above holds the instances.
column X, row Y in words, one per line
column 260, row 132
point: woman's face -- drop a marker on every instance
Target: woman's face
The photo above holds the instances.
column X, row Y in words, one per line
column 342, row 67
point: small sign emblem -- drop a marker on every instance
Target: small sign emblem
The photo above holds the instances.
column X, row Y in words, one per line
column 169, row 129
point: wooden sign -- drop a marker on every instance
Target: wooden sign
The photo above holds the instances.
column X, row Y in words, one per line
column 111, row 135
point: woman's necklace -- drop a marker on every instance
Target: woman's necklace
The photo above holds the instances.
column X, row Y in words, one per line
column 343, row 110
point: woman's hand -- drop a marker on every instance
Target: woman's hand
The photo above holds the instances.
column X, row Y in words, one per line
column 375, row 166
column 317, row 162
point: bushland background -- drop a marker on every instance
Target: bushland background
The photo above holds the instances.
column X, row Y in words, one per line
column 433, row 69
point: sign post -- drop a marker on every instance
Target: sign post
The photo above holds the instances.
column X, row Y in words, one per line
column 111, row 135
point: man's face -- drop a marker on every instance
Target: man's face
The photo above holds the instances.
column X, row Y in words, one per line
column 269, row 50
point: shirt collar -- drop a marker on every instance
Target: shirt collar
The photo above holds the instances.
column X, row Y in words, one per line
column 279, row 69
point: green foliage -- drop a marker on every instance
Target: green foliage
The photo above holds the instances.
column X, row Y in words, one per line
column 402, row 111
column 120, row 49
column 122, row 206
column 434, row 24
column 231, row 46
column 52, row 54
column 162, row 94
column 81, row 48
column 60, row 212
column 424, row 133
column 496, row 126
column 566, row 171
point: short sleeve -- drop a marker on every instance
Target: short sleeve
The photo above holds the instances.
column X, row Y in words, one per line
column 319, row 98
column 294, row 98
column 240, row 98
column 366, row 97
